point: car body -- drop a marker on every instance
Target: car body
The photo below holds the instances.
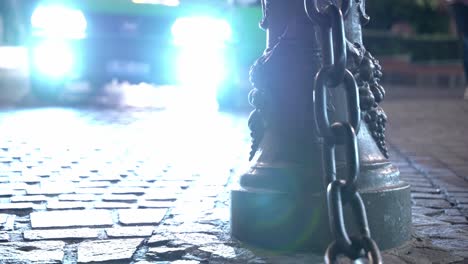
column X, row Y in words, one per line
column 192, row 42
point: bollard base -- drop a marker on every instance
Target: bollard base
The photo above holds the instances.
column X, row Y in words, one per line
column 285, row 222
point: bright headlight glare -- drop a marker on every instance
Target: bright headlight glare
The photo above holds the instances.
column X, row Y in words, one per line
column 201, row 30
column 59, row 21
column 205, row 68
column 54, row 59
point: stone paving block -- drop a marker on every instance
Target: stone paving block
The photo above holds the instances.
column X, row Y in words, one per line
column 159, row 239
column 39, row 207
column 194, row 209
column 456, row 246
column 189, row 227
column 6, row 192
column 417, row 178
column 6, row 160
column 4, row 179
column 17, row 186
column 422, row 252
column 443, row 172
column 127, row 198
column 94, row 184
column 423, row 220
column 61, row 234
column 452, row 212
column 80, row 174
column 452, row 185
column 128, row 190
column 71, row 218
column 16, row 207
column 405, row 168
column 173, row 184
column 160, row 196
column 112, row 205
column 112, row 179
column 31, row 179
column 91, row 190
column 462, row 207
column 432, row 203
column 28, row 198
column 453, row 161
column 427, row 196
column 457, row 219
column 221, row 250
column 444, row 232
column 459, row 194
column 32, row 252
column 107, row 250
column 3, row 219
column 16, row 169
column 141, row 216
column 420, row 184
column 425, row 190
column 130, row 231
column 461, row 170
column 290, row 259
column 170, row 262
column 215, row 215
column 4, row 236
column 9, row 225
column 49, row 191
column 54, row 205
column 77, row 197
column 167, row 253
column 462, row 200
column 208, row 192
column 42, row 173
column 198, row 239
column 155, row 204
column 143, row 184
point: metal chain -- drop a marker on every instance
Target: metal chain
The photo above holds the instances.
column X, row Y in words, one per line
column 340, row 190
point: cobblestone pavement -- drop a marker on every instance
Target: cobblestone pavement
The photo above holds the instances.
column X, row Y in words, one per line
column 141, row 186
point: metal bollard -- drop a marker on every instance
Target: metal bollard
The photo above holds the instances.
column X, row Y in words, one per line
column 282, row 200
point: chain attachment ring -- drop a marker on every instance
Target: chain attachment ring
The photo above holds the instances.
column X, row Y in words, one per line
column 368, row 249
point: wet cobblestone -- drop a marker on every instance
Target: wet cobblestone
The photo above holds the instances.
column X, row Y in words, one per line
column 114, row 186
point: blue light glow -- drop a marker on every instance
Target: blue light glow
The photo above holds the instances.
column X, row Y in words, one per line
column 201, row 31
column 54, row 59
column 59, row 21
column 202, row 43
column 158, row 2
column 203, row 67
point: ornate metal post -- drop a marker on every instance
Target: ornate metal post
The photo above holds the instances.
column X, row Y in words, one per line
column 281, row 202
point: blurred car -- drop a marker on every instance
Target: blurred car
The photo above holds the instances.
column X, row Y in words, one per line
column 199, row 43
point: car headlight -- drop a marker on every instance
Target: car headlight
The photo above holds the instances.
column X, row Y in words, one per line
column 202, row 43
column 58, row 21
column 53, row 59
column 203, row 31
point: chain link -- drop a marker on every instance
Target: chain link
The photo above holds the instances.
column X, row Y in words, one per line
column 340, row 190
column 333, row 40
column 314, row 13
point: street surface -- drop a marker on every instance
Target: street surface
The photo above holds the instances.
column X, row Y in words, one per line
column 151, row 185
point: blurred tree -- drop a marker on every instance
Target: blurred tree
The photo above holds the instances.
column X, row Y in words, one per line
column 425, row 16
